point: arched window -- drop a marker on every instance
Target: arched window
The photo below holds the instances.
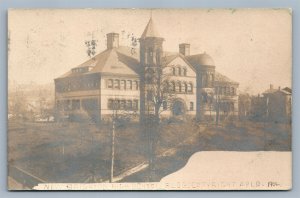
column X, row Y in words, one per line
column 173, row 71
column 185, row 87
column 190, row 88
column 135, row 85
column 178, row 71
column 191, row 106
column 184, row 71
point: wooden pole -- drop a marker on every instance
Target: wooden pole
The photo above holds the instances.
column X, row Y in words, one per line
column 112, row 149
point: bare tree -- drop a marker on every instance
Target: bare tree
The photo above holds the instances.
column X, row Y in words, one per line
column 159, row 96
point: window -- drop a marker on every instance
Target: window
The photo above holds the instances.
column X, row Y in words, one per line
column 228, row 91
column 122, row 104
column 135, row 85
column 117, row 84
column 191, row 106
column 204, row 80
column 129, row 84
column 110, row 83
column 184, row 71
column 123, row 84
column 173, row 71
column 190, row 88
column 116, row 104
column 232, row 91
column 185, row 87
column 179, row 71
column 110, row 103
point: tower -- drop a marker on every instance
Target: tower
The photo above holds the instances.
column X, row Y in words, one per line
column 151, row 52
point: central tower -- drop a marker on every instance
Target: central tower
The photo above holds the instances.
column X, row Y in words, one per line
column 151, row 53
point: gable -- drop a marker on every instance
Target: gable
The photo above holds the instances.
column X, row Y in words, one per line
column 180, row 62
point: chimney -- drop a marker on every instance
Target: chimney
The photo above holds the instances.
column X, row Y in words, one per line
column 112, row 40
column 184, row 49
column 271, row 86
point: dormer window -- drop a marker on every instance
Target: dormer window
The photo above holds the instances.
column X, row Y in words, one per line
column 82, row 69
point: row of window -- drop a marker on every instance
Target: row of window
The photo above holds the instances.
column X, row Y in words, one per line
column 165, row 106
column 122, row 104
column 122, row 84
column 228, row 91
column 81, row 69
column 180, row 87
column 77, row 85
column 76, row 104
column 179, row 71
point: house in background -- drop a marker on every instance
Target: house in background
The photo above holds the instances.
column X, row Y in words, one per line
column 116, row 79
column 273, row 105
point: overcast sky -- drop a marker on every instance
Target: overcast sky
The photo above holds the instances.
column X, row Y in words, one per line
column 252, row 47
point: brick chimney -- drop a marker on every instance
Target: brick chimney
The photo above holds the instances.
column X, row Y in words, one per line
column 184, row 49
column 112, row 40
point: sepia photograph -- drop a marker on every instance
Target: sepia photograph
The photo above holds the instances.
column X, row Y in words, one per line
column 149, row 99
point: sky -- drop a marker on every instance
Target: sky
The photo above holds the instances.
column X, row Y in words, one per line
column 250, row 46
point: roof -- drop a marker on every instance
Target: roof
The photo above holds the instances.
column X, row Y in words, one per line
column 286, row 91
column 221, row 78
column 172, row 56
column 200, row 59
column 150, row 30
column 122, row 60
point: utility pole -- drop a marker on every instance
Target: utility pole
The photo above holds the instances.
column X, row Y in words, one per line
column 112, row 147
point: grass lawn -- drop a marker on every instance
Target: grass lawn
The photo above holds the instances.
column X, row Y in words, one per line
column 73, row 152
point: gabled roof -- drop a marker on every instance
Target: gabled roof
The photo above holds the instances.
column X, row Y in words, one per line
column 150, row 30
column 120, row 60
column 169, row 58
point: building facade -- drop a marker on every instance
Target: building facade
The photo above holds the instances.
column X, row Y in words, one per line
column 149, row 81
column 274, row 105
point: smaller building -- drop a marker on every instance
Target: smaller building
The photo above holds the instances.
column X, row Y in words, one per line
column 273, row 105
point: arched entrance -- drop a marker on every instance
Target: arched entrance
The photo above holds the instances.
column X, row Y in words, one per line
column 178, row 108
